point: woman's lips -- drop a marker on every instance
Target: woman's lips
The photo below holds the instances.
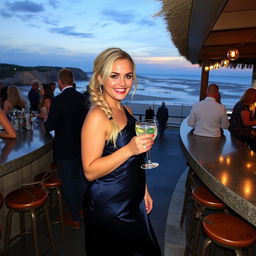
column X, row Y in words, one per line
column 120, row 91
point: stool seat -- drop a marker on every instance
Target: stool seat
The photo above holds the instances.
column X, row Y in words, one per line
column 26, row 197
column 229, row 230
column 1, row 201
column 206, row 198
column 50, row 179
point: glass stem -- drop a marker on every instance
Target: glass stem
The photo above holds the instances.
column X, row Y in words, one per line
column 148, row 157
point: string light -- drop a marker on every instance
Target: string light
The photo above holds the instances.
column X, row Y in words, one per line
column 224, row 62
column 233, row 54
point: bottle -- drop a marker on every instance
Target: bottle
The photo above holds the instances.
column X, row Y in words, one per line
column 27, row 119
column 15, row 120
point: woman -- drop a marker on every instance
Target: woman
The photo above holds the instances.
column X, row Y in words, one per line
column 242, row 119
column 14, row 100
column 47, row 95
column 7, row 130
column 117, row 200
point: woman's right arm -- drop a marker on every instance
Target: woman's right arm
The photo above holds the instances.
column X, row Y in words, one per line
column 246, row 115
column 9, row 131
column 94, row 134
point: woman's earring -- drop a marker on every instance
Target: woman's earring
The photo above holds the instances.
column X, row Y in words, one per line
column 101, row 87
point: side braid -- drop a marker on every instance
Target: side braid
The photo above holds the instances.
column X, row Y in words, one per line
column 98, row 99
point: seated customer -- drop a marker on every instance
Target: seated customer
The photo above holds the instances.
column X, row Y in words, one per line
column 47, row 96
column 242, row 119
column 208, row 116
column 7, row 130
column 14, row 100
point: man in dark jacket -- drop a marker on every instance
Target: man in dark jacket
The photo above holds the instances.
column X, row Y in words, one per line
column 162, row 118
column 66, row 117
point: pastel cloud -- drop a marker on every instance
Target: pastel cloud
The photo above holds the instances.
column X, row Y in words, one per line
column 25, row 6
column 121, row 17
column 70, row 31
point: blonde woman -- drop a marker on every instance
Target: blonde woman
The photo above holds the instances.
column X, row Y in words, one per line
column 14, row 100
column 117, row 200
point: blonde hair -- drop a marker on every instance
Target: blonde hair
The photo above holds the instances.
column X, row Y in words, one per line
column 103, row 67
column 14, row 97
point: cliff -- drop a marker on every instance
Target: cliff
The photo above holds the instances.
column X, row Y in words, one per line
column 20, row 75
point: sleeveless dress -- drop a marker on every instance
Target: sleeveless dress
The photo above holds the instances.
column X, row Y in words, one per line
column 116, row 222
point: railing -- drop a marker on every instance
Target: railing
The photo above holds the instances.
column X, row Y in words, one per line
column 172, row 120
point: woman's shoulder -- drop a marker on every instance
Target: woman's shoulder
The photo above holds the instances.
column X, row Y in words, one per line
column 97, row 114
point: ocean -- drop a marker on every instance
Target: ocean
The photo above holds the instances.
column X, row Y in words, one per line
column 177, row 89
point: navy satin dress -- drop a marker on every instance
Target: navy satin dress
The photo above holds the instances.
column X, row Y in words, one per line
column 116, row 222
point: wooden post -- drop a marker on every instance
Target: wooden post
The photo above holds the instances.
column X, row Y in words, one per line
column 254, row 76
column 204, row 81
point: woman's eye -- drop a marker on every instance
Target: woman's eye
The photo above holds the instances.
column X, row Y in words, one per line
column 128, row 76
column 114, row 76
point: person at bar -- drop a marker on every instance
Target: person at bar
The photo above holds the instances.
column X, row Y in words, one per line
column 66, row 117
column 117, row 200
column 208, row 116
column 242, row 118
column 162, row 118
column 14, row 100
column 149, row 113
column 34, row 96
column 7, row 131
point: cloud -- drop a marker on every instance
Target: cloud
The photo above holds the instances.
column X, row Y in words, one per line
column 70, row 31
column 25, row 6
column 54, row 3
column 121, row 17
column 159, row 60
column 147, row 22
column 50, row 21
column 5, row 14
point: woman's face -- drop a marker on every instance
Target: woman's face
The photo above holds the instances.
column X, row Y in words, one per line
column 120, row 80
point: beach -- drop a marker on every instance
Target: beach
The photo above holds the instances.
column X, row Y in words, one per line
column 179, row 92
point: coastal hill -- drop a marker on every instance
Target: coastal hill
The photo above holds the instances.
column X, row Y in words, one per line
column 21, row 75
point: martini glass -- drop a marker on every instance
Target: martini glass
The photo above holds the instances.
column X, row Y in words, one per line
column 147, row 127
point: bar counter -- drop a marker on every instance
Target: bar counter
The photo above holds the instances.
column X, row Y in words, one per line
column 226, row 166
column 20, row 160
column 26, row 148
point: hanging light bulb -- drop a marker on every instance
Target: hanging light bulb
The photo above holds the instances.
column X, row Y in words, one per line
column 206, row 68
column 211, row 67
column 233, row 54
column 216, row 65
column 224, row 62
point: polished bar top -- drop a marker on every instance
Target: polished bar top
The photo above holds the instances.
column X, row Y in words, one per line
column 27, row 147
column 226, row 166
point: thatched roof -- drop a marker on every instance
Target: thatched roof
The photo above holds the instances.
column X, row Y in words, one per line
column 204, row 30
column 172, row 11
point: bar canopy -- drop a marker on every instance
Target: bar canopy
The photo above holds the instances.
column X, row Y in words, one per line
column 204, row 30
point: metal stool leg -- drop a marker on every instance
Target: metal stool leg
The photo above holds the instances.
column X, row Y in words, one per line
column 49, row 230
column 34, row 231
column 206, row 244
column 238, row 253
column 8, row 232
column 59, row 195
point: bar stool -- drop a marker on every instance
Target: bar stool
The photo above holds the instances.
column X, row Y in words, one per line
column 52, row 182
column 190, row 184
column 229, row 232
column 27, row 199
column 203, row 200
column 1, row 205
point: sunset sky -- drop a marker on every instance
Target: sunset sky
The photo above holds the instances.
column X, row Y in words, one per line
column 73, row 32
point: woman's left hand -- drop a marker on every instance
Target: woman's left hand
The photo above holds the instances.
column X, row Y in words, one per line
column 148, row 202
